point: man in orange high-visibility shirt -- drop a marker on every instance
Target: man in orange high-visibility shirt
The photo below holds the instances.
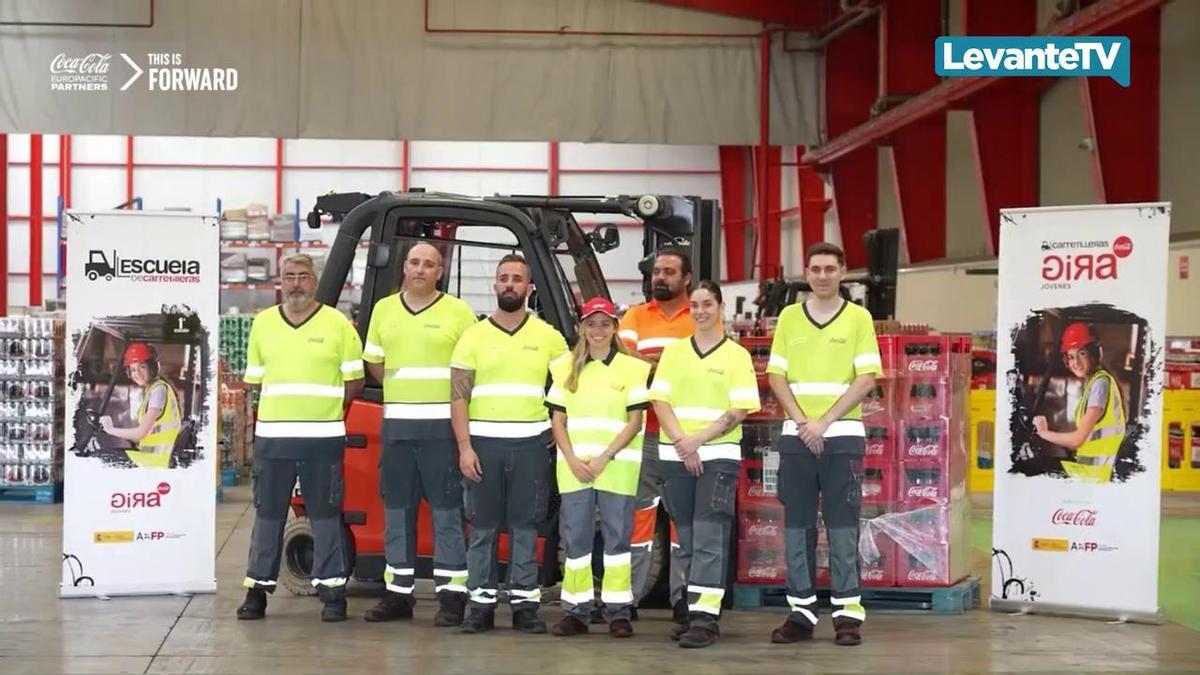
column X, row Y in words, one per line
column 646, row 329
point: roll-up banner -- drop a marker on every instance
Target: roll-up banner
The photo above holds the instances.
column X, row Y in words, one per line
column 1082, row 313
column 139, row 507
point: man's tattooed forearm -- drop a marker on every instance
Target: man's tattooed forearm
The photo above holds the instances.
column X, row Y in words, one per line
column 727, row 422
column 461, row 383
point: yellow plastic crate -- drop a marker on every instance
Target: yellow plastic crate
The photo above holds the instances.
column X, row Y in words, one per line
column 982, row 439
column 1181, row 440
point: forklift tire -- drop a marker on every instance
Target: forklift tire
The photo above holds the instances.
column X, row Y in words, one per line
column 295, row 568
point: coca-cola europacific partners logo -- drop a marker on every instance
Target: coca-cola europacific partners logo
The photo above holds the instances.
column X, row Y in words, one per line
column 1079, row 518
column 86, row 72
column 1066, row 262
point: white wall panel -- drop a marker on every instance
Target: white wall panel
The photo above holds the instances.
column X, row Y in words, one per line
column 488, row 155
column 307, row 184
column 612, row 185
column 18, row 190
column 18, row 246
column 478, row 184
column 18, row 148
column 337, row 152
column 97, row 148
column 95, row 188
column 194, row 150
column 630, row 156
column 199, row 189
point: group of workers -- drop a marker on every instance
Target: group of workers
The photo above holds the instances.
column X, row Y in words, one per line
column 643, row 409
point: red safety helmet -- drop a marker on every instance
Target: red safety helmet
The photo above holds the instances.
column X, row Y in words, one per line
column 139, row 352
column 1075, row 336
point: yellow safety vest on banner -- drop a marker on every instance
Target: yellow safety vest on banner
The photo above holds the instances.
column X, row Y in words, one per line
column 597, row 411
column 1094, row 460
column 154, row 450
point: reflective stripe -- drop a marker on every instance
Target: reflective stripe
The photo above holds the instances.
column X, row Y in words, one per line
column 330, row 429
column 354, row 366
column 462, row 366
column 629, row 455
column 627, row 334
column 644, row 544
column 507, row 429
column 416, row 411
column 639, row 394
column 838, row 428
column 530, row 390
column 701, row 414
column 655, row 343
column 616, row 597
column 331, row 582
column 452, row 588
column 849, row 614
column 795, row 602
column 819, row 388
column 661, row 387
column 812, row 618
column 449, row 573
column 406, row 590
column 594, row 424
column 706, row 590
column 618, row 559
column 421, row 374
column 582, row 562
column 595, row 450
column 743, row 395
column 517, row 595
column 666, row 452
column 1095, row 461
column 256, row 371
column 400, row 571
column 1114, row 430
column 778, row 361
column 704, row 609
column 852, row 600
column 484, row 596
column 579, row 598
column 372, row 349
column 250, row 583
column 320, row 390
column 864, row 360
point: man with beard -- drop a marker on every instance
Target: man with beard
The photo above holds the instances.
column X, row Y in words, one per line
column 647, row 329
column 409, row 343
column 308, row 360
column 498, row 379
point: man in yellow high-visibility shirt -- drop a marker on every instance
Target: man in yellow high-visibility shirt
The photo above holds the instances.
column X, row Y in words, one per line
column 307, row 358
column 498, row 377
column 409, row 342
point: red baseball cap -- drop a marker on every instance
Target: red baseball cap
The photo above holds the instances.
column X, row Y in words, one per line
column 598, row 304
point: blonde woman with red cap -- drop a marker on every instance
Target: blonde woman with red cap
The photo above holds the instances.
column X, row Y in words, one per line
column 158, row 415
column 596, row 403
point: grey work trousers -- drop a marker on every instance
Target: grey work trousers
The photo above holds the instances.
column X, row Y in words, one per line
column 836, row 479
column 408, row 471
column 702, row 508
column 514, row 495
column 577, row 523
column 650, row 492
column 322, row 487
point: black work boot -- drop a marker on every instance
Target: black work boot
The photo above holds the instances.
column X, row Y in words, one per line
column 254, row 606
column 454, row 606
column 393, row 607
column 479, row 621
column 679, row 617
column 847, row 633
column 528, row 621
column 597, row 617
column 569, row 626
column 697, row 637
column 334, row 611
column 791, row 631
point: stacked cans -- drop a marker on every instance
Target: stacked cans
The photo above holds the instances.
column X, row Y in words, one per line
column 233, row 340
column 31, row 400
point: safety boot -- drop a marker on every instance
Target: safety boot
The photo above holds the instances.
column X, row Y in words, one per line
column 790, row 632
column 697, row 637
column 393, row 607
column 334, row 611
column 453, row 607
column 254, row 606
column 847, row 633
column 479, row 621
column 679, row 617
column 528, row 621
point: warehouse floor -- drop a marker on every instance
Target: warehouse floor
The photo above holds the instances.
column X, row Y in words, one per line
column 40, row 633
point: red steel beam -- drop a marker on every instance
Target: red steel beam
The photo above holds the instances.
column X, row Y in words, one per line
column 1098, row 18
column 1124, row 121
column 3, row 224
column 1004, row 121
column 129, row 170
column 734, row 169
column 812, row 204
column 918, row 151
column 35, row 220
column 552, row 172
column 278, row 175
column 851, row 86
column 769, row 211
column 405, row 170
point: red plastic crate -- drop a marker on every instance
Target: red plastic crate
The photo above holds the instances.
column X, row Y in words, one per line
column 923, row 396
column 879, row 483
column 924, row 440
column 879, row 572
column 881, row 441
column 887, row 353
column 927, row 355
column 933, row 538
column 881, row 401
column 923, row 483
column 760, row 542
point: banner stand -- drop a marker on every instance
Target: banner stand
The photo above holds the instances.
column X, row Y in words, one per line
column 140, row 441
column 1081, row 332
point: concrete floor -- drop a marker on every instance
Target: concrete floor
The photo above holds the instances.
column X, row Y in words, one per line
column 41, row 634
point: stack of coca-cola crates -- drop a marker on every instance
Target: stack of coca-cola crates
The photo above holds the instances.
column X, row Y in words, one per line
column 929, row 524
column 760, row 515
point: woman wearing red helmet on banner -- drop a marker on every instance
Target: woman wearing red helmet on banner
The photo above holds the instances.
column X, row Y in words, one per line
column 158, row 416
column 1099, row 416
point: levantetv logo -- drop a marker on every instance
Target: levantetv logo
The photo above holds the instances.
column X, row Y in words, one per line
column 1033, row 56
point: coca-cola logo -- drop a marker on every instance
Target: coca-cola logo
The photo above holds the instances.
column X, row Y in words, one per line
column 91, row 64
column 922, row 575
column 1122, row 246
column 923, row 491
column 1080, row 518
column 923, row 366
column 872, row 406
column 872, row 489
column 763, row 531
column 872, row 574
column 763, row 572
column 924, row 450
column 876, row 448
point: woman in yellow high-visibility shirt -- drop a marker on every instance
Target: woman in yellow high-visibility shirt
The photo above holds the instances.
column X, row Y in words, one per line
column 596, row 403
column 158, row 415
column 1099, row 416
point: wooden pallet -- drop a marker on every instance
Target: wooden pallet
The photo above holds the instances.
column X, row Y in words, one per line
column 954, row 599
column 37, row 494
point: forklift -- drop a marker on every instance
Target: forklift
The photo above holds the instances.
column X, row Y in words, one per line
column 473, row 234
